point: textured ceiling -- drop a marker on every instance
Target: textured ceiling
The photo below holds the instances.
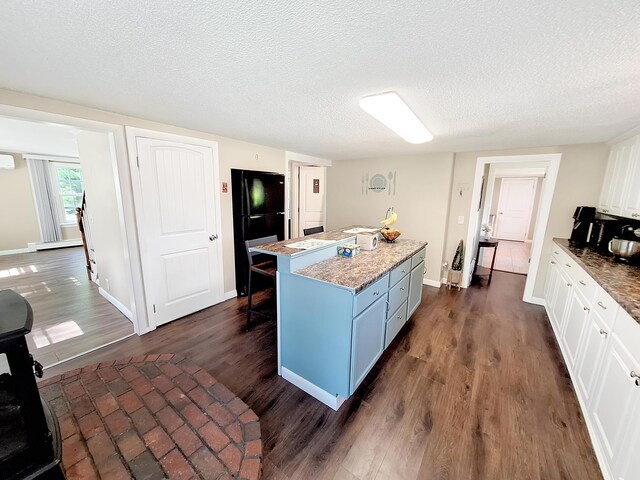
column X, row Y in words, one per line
column 481, row 75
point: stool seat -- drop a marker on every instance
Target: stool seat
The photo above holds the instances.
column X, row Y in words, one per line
column 266, row 268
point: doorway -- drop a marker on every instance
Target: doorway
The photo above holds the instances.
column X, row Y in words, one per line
column 308, row 198
column 175, row 183
column 76, row 309
column 487, row 170
column 515, row 204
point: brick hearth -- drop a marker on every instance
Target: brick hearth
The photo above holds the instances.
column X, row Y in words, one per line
column 152, row 417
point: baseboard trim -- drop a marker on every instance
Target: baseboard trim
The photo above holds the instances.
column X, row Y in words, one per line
column 536, row 301
column 229, row 295
column 61, row 244
column 431, row 283
column 30, row 249
column 325, row 397
column 116, row 303
column 73, row 357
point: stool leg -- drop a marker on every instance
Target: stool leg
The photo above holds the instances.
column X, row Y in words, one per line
column 493, row 261
column 249, row 302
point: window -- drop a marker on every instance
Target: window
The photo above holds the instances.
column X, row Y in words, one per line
column 68, row 184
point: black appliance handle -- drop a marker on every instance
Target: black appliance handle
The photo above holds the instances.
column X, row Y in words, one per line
column 246, row 196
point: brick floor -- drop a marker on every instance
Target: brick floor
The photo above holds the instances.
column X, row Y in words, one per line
column 158, row 416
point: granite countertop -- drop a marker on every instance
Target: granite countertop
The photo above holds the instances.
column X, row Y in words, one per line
column 359, row 272
column 620, row 281
column 280, row 248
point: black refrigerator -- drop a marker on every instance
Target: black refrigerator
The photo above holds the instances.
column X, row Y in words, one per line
column 258, row 211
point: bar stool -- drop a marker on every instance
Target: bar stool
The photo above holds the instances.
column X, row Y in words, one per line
column 312, row 230
column 266, row 268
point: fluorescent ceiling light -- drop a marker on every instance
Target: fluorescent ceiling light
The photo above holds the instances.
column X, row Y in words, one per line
column 389, row 109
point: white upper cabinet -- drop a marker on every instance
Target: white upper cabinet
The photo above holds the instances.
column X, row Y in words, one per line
column 631, row 205
column 621, row 187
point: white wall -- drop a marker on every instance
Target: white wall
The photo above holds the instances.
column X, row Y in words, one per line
column 18, row 219
column 423, row 184
column 232, row 154
column 107, row 231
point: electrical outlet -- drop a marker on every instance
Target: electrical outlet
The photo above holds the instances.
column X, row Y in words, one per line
column 461, row 220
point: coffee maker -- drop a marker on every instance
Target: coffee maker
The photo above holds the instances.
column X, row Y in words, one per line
column 582, row 225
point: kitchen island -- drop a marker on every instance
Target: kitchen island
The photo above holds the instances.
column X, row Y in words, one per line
column 337, row 315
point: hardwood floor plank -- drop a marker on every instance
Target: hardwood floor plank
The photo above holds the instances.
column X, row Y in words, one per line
column 473, row 387
column 70, row 317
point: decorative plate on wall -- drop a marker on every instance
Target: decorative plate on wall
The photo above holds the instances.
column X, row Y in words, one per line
column 378, row 183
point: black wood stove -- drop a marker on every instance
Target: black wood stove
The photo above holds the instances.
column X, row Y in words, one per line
column 30, row 445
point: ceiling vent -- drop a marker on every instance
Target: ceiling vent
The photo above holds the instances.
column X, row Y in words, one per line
column 6, row 162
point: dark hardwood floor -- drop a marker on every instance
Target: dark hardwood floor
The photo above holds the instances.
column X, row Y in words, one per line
column 70, row 317
column 473, row 388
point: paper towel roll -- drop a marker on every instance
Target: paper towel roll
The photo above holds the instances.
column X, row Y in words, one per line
column 367, row 242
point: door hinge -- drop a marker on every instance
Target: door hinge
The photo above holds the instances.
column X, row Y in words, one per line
column 154, row 308
column 138, row 161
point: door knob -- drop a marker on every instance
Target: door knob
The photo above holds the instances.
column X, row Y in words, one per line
column 636, row 376
column 213, row 237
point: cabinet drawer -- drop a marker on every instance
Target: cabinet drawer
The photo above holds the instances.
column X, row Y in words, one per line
column 395, row 323
column 606, row 307
column 583, row 282
column 400, row 271
column 398, row 294
column 628, row 331
column 418, row 257
column 370, row 294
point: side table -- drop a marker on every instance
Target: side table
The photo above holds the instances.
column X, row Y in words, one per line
column 479, row 271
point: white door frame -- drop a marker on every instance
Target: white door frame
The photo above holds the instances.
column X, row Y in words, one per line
column 544, row 208
column 132, row 133
column 124, row 198
column 293, row 163
column 533, row 198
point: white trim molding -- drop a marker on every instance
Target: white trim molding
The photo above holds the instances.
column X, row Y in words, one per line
column 229, row 295
column 116, row 303
column 431, row 283
column 31, row 248
column 61, row 244
column 544, row 208
column 332, row 401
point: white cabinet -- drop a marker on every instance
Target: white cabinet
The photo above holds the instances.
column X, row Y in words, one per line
column 367, row 340
column 574, row 326
column 560, row 299
column 621, row 187
column 596, row 335
column 615, row 403
column 631, row 204
column 415, row 288
column 600, row 343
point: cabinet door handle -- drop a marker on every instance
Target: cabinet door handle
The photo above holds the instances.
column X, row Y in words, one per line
column 604, row 210
column 557, row 253
column 586, row 309
column 399, row 317
column 582, row 283
column 636, row 376
column 600, row 304
column 376, row 293
column 568, row 265
column 402, row 289
column 569, row 284
column 552, row 262
column 404, row 271
column 603, row 332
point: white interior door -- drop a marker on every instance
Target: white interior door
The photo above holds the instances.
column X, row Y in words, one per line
column 311, row 192
column 181, row 258
column 514, row 208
